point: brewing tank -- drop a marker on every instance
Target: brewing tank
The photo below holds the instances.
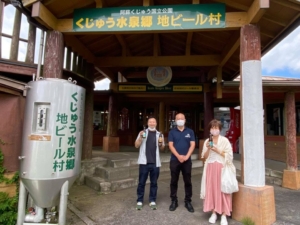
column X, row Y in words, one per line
column 52, row 138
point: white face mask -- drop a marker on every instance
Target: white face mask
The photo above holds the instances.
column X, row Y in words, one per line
column 215, row 132
column 180, row 123
column 152, row 129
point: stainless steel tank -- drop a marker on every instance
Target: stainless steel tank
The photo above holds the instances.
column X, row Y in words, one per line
column 52, row 138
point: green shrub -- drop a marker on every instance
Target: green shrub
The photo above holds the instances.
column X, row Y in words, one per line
column 247, row 221
column 8, row 205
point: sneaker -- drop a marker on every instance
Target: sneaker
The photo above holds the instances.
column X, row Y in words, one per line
column 153, row 205
column 224, row 220
column 213, row 218
column 139, row 206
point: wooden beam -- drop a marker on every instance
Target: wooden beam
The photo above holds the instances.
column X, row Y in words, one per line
column 234, row 20
column 99, row 3
column 27, row 3
column 233, row 4
column 288, row 4
column 257, row 9
column 230, row 48
column 77, row 46
column 212, row 73
column 125, row 49
column 175, row 74
column 193, row 60
column 31, row 44
column 106, row 73
column 17, row 69
column 146, row 2
column 44, row 16
column 156, row 45
column 14, row 48
column 274, row 20
column 69, row 11
column 188, row 43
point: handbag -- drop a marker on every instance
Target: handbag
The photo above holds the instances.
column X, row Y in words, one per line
column 229, row 183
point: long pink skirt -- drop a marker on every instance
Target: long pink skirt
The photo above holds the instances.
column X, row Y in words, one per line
column 214, row 198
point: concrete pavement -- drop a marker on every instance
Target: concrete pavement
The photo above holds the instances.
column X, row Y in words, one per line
column 87, row 206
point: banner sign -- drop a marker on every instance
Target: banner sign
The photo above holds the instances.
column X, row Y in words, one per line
column 168, row 88
column 141, row 18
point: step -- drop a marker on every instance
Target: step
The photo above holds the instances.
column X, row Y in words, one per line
column 93, row 182
column 116, row 163
column 115, row 173
column 98, row 184
column 125, row 177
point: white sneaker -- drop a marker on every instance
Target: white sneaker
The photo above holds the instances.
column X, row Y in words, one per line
column 153, row 205
column 139, row 205
column 213, row 218
column 224, row 220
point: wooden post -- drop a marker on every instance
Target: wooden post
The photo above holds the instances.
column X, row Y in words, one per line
column 162, row 116
column 14, row 48
column 87, row 146
column 252, row 107
column 291, row 176
column 260, row 199
column 31, row 44
column 54, row 55
column 208, row 112
column 111, row 140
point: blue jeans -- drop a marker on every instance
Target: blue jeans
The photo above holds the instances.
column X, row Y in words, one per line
column 144, row 171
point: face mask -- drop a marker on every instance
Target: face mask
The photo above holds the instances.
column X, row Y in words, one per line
column 215, row 132
column 152, row 129
column 180, row 123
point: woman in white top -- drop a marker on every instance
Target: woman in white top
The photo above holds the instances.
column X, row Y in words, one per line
column 214, row 200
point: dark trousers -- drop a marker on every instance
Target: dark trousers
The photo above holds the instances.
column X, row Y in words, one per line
column 186, row 170
column 144, row 171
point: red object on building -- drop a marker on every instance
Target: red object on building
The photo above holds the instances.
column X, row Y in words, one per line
column 234, row 130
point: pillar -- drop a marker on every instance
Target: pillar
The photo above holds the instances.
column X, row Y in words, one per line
column 31, row 44
column 291, row 175
column 162, row 116
column 14, row 48
column 111, row 140
column 260, row 199
column 54, row 55
column 87, row 145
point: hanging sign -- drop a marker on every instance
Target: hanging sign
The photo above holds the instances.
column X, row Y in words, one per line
column 159, row 76
column 141, row 18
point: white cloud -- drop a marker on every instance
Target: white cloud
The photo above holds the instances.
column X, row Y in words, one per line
column 102, row 85
column 284, row 56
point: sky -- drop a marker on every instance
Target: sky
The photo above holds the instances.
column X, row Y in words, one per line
column 282, row 61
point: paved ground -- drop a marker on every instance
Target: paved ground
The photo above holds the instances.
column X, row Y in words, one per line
column 86, row 206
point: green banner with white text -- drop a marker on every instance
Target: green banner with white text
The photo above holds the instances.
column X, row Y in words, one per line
column 142, row 18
